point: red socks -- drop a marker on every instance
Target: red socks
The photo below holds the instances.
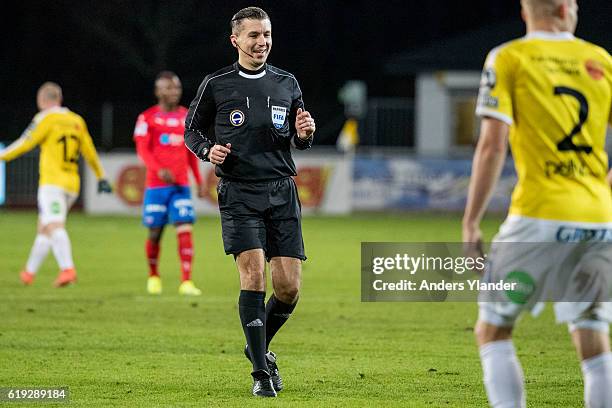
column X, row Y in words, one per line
column 152, row 250
column 185, row 248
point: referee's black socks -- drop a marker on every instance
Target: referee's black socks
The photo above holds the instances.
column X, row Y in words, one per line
column 252, row 309
column 277, row 313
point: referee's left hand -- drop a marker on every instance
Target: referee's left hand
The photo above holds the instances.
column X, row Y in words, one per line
column 304, row 124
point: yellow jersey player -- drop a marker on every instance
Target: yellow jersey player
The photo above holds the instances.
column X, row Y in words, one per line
column 63, row 137
column 550, row 94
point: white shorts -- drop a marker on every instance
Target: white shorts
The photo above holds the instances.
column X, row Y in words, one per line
column 54, row 203
column 569, row 263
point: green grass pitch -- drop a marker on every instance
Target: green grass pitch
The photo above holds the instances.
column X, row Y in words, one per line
column 114, row 345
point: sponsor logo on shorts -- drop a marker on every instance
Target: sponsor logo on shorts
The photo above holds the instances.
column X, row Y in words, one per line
column 523, row 284
column 184, row 202
column 56, row 208
column 236, row 118
column 185, row 207
column 573, row 234
column 151, row 208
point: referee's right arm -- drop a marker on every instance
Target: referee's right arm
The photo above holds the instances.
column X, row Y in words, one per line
column 199, row 120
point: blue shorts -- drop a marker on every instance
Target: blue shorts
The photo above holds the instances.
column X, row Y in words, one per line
column 167, row 204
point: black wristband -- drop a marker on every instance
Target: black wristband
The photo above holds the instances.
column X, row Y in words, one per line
column 302, row 144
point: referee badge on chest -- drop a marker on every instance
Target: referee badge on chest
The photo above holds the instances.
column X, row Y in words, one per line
column 236, row 117
column 278, row 116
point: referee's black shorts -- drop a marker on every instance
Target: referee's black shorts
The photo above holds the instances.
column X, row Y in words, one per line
column 261, row 214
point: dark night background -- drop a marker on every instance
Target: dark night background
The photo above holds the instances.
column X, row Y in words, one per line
column 110, row 51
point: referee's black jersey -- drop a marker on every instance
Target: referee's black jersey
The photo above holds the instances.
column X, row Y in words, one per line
column 254, row 111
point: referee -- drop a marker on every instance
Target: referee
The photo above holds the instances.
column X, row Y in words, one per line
column 244, row 119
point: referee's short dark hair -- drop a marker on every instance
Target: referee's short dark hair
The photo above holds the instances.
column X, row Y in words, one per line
column 253, row 13
column 166, row 75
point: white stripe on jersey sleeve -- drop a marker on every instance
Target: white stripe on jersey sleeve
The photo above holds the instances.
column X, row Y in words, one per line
column 484, row 112
column 200, row 98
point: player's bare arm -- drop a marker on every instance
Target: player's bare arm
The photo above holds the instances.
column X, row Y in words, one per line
column 486, row 168
column 609, row 177
column 305, row 124
column 202, row 190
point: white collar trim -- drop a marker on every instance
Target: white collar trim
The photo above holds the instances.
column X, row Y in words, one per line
column 252, row 76
column 55, row 109
column 549, row 35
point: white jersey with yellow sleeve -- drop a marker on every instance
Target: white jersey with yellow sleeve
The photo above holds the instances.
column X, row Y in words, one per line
column 63, row 137
column 555, row 92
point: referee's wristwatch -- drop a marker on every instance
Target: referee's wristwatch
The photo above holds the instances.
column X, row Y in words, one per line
column 204, row 154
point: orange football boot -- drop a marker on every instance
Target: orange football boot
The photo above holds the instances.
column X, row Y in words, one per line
column 27, row 278
column 66, row 277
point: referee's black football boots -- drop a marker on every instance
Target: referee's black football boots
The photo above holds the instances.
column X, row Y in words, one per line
column 262, row 384
column 277, row 381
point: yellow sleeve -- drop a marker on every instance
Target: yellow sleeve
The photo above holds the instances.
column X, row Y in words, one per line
column 609, row 75
column 34, row 135
column 496, row 84
column 88, row 151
